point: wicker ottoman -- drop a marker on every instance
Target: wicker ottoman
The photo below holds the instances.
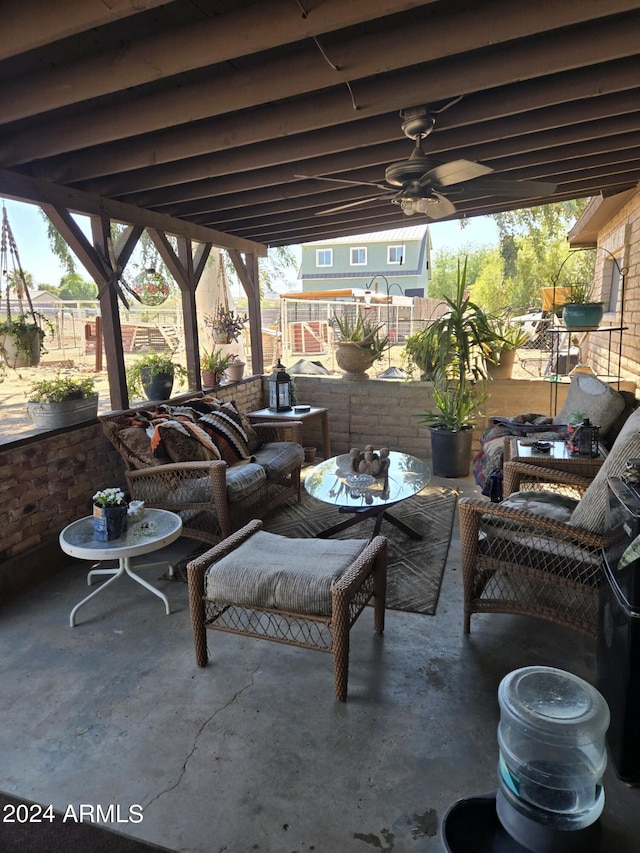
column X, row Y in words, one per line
column 303, row 592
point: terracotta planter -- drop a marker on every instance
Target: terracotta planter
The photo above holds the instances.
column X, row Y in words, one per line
column 504, row 368
column 234, row 372
column 354, row 360
column 209, row 378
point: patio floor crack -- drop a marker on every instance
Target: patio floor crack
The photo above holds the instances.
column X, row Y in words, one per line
column 206, row 722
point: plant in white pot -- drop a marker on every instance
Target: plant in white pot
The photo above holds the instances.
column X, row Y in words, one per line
column 62, row 401
column 234, row 371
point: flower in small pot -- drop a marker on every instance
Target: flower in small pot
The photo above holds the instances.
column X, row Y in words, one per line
column 109, row 514
column 227, row 325
column 153, row 374
column 212, row 366
column 62, row 401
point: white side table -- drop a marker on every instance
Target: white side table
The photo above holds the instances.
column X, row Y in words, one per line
column 153, row 531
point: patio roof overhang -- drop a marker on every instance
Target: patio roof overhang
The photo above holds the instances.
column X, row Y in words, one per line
column 209, row 112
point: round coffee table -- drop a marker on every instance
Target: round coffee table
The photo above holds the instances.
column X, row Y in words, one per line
column 332, row 482
column 153, row 531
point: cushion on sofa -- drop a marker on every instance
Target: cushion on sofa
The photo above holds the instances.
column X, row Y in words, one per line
column 591, row 510
column 598, row 401
column 225, row 428
column 183, row 441
column 279, row 458
column 243, row 480
column 275, row 572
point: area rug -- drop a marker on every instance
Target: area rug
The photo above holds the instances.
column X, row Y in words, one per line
column 28, row 827
column 415, row 568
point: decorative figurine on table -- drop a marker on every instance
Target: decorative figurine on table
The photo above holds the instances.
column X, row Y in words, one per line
column 370, row 462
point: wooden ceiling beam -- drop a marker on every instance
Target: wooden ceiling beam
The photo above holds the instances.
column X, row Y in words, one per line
column 300, row 75
column 23, row 188
column 239, row 32
column 51, row 22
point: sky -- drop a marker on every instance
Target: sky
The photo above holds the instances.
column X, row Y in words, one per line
column 30, row 234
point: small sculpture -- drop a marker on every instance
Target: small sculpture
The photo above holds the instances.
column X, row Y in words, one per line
column 370, row 462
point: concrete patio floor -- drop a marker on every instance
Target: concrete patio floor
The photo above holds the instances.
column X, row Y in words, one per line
column 252, row 753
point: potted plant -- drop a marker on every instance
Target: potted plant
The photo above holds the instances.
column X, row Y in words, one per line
column 501, row 355
column 234, row 371
column 21, row 341
column 227, row 325
column 359, row 344
column 212, row 366
column 62, row 401
column 110, row 511
column 581, row 311
column 153, row 374
column 458, row 341
column 456, row 399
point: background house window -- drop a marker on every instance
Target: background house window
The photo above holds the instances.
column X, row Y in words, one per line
column 612, row 279
column 395, row 254
column 324, row 257
column 358, row 256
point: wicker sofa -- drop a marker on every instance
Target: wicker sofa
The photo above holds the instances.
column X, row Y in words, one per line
column 201, row 458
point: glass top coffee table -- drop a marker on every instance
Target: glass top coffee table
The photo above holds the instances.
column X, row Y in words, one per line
column 334, row 482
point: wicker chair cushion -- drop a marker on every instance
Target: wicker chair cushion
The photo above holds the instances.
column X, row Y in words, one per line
column 599, row 402
column 225, row 428
column 279, row 458
column 552, row 505
column 590, row 512
column 243, row 481
column 278, row 573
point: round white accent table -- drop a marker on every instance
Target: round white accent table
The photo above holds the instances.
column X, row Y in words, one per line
column 153, row 531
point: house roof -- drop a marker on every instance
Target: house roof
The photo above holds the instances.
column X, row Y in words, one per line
column 396, row 235
column 222, row 113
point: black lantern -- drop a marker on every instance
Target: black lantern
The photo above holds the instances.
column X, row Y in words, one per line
column 588, row 439
column 280, row 389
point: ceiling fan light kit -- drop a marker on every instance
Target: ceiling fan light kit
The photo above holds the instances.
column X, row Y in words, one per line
column 418, row 184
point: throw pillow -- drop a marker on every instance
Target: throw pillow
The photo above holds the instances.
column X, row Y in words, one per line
column 253, row 439
column 591, row 510
column 599, row 402
column 183, row 442
column 225, row 429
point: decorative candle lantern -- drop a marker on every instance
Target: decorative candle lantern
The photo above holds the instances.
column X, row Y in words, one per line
column 279, row 389
column 588, row 439
column 150, row 287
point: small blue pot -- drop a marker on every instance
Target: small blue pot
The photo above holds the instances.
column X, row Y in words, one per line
column 109, row 522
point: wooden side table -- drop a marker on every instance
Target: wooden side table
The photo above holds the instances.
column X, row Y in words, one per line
column 314, row 412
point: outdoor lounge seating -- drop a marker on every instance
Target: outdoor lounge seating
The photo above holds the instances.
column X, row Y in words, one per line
column 539, row 552
column 302, row 592
column 596, row 400
column 203, row 459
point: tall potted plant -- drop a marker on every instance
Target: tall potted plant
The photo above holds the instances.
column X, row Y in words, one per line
column 501, row 355
column 456, row 345
column 359, row 343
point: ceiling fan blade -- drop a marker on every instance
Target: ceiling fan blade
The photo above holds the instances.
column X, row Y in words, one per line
column 443, row 207
column 342, row 181
column 510, row 189
column 454, row 172
column 353, row 204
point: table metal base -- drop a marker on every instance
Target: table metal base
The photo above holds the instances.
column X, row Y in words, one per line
column 358, row 515
column 124, row 568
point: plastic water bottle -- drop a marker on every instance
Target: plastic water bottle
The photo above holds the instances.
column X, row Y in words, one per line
column 552, row 747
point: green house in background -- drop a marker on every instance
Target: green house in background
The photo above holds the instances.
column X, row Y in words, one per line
column 402, row 256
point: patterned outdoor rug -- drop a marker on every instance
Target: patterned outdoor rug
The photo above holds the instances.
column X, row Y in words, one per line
column 415, row 568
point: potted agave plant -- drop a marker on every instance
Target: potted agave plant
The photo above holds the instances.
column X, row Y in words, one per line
column 62, row 401
column 359, row 344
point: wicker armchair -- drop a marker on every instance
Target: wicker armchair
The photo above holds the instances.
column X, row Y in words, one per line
column 214, row 498
column 539, row 552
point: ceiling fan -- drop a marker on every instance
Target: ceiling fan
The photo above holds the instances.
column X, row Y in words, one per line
column 420, row 184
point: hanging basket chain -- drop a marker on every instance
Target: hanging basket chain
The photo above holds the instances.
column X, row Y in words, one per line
column 9, row 250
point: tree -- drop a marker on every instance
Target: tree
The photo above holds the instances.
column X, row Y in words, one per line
column 271, row 270
column 73, row 286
